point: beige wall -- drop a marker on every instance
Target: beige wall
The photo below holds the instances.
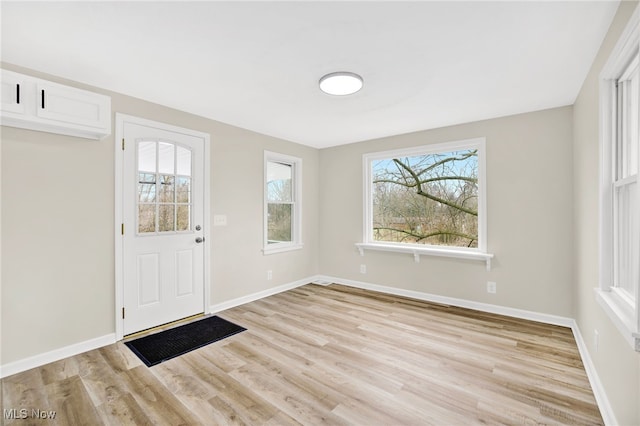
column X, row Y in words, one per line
column 617, row 364
column 57, row 223
column 529, row 186
column 57, row 264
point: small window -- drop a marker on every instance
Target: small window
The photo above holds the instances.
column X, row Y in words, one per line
column 430, row 196
column 282, row 209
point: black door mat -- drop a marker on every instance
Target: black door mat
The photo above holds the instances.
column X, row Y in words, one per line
column 163, row 346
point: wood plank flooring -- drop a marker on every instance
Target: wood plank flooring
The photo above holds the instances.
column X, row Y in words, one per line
column 328, row 355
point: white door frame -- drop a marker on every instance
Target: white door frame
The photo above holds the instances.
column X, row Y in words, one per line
column 121, row 119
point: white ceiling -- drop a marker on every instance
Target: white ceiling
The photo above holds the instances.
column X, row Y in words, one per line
column 257, row 64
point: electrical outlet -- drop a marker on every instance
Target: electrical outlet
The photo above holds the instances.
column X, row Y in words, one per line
column 269, row 275
column 491, row 287
column 363, row 269
column 596, row 338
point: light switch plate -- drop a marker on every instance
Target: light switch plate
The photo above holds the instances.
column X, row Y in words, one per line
column 219, row 220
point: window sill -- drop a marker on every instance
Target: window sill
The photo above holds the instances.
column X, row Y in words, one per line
column 279, row 248
column 620, row 314
column 427, row 251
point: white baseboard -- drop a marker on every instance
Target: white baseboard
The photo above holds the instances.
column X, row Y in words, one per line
column 596, row 385
column 19, row 366
column 260, row 295
column 462, row 303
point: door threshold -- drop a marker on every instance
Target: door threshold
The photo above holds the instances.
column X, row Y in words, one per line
column 162, row 327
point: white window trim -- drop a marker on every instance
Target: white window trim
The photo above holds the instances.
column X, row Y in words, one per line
column 479, row 253
column 624, row 315
column 296, row 228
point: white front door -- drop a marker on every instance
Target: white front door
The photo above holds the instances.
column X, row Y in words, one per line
column 163, row 216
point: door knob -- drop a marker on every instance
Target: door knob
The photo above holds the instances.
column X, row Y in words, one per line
column 199, row 240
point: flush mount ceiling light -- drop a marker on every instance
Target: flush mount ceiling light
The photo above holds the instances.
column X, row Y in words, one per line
column 341, row 83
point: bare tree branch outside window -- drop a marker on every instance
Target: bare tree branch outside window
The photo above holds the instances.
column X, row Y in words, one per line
column 429, row 199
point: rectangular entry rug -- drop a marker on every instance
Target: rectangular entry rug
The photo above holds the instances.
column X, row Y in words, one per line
column 163, row 346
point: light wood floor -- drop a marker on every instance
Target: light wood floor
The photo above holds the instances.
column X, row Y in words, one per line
column 332, row 355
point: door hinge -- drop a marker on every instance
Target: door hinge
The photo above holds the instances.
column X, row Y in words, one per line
column 122, row 313
column 123, row 144
column 122, row 228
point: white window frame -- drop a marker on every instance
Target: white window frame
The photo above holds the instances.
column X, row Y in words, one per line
column 479, row 253
column 296, row 213
column 622, row 310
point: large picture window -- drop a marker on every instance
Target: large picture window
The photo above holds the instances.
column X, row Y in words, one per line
column 282, row 210
column 427, row 197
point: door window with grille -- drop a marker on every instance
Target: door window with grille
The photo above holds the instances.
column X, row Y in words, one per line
column 164, row 187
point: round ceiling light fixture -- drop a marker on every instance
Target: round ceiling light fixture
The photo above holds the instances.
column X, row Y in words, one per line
column 341, row 83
